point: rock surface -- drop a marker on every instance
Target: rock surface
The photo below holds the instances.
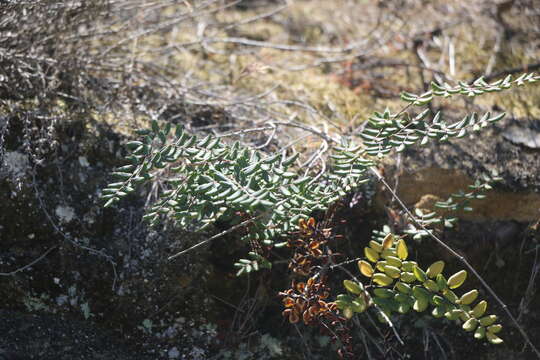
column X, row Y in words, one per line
column 433, row 173
column 100, row 287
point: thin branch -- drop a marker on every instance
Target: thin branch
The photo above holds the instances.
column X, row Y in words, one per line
column 30, row 264
column 258, row 17
column 223, row 233
column 284, row 47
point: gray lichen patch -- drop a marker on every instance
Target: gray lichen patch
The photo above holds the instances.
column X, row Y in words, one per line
column 15, row 165
column 65, row 213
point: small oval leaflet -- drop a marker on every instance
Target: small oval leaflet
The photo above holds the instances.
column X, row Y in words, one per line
column 382, row 279
column 371, row 254
column 480, row 309
column 457, row 279
column 402, row 250
column 365, row 268
column 435, row 269
column 352, row 286
column 388, row 241
column 419, row 274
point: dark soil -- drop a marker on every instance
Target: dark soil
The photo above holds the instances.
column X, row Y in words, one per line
column 55, row 337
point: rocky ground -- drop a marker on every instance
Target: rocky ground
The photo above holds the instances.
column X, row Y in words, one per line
column 100, row 286
column 78, row 281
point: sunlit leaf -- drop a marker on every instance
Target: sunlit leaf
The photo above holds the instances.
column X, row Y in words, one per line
column 402, row 250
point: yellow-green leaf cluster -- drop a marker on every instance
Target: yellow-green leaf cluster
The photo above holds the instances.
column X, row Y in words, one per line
column 399, row 285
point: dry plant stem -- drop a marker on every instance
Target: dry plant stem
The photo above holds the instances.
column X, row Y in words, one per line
column 246, row 222
column 526, row 300
column 460, row 258
column 259, row 16
column 168, row 24
column 58, row 230
column 30, row 264
column 368, row 353
column 284, row 47
column 65, row 236
column 303, row 341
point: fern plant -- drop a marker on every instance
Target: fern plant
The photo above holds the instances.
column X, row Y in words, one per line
column 398, row 285
column 459, row 201
column 207, row 180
